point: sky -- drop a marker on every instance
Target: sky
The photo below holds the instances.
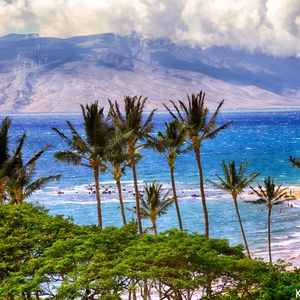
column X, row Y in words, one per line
column 269, row 26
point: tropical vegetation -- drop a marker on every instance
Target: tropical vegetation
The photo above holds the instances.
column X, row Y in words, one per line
column 270, row 195
column 235, row 181
column 89, row 151
column 51, row 257
column 170, row 144
column 131, row 122
column 200, row 127
column 154, row 204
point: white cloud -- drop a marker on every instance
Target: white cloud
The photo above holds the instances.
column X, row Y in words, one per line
column 271, row 26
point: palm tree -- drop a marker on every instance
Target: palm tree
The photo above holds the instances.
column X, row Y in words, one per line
column 119, row 160
column 235, row 182
column 89, row 151
column 21, row 183
column 199, row 128
column 154, row 204
column 131, row 122
column 269, row 195
column 4, row 155
column 170, row 145
column 295, row 161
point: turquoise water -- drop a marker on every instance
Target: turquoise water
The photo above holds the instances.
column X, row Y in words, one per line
column 265, row 139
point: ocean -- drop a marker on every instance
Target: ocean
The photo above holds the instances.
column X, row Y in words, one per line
column 265, row 139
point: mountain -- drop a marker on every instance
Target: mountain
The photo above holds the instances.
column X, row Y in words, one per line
column 39, row 74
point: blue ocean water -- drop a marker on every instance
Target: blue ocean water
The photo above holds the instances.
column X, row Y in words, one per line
column 265, row 139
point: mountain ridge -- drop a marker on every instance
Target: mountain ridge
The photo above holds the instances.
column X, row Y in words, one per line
column 44, row 74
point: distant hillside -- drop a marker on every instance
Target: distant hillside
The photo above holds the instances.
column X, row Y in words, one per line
column 54, row 75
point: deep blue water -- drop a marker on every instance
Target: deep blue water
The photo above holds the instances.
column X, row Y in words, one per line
column 265, row 139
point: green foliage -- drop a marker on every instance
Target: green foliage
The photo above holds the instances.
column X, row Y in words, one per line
column 279, row 285
column 52, row 257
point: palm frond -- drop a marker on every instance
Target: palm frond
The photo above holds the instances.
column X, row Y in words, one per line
column 5, row 125
column 269, row 193
column 68, row 157
column 233, row 181
column 294, row 161
column 38, row 184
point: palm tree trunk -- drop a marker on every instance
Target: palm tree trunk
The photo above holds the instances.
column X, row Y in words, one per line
column 121, row 201
column 205, row 212
column 154, row 227
column 137, row 198
column 2, row 191
column 175, row 198
column 241, row 225
column 269, row 234
column 99, row 213
column 159, row 283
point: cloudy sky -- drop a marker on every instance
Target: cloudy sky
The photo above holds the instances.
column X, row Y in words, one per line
column 270, row 26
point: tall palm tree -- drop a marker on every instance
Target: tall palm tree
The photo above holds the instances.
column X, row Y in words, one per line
column 21, row 182
column 154, row 204
column 199, row 128
column 170, row 145
column 118, row 158
column 132, row 122
column 4, row 155
column 269, row 195
column 90, row 150
column 234, row 182
column 295, row 161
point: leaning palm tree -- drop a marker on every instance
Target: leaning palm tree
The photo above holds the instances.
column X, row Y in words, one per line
column 4, row 155
column 170, row 145
column 294, row 161
column 21, row 182
column 118, row 159
column 90, row 150
column 154, row 204
column 199, row 128
column 269, row 195
column 132, row 122
column 234, row 182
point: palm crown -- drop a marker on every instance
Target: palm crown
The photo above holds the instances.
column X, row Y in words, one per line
column 196, row 116
column 132, row 120
column 171, row 141
column 269, row 193
column 153, row 203
column 98, row 135
column 235, row 180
